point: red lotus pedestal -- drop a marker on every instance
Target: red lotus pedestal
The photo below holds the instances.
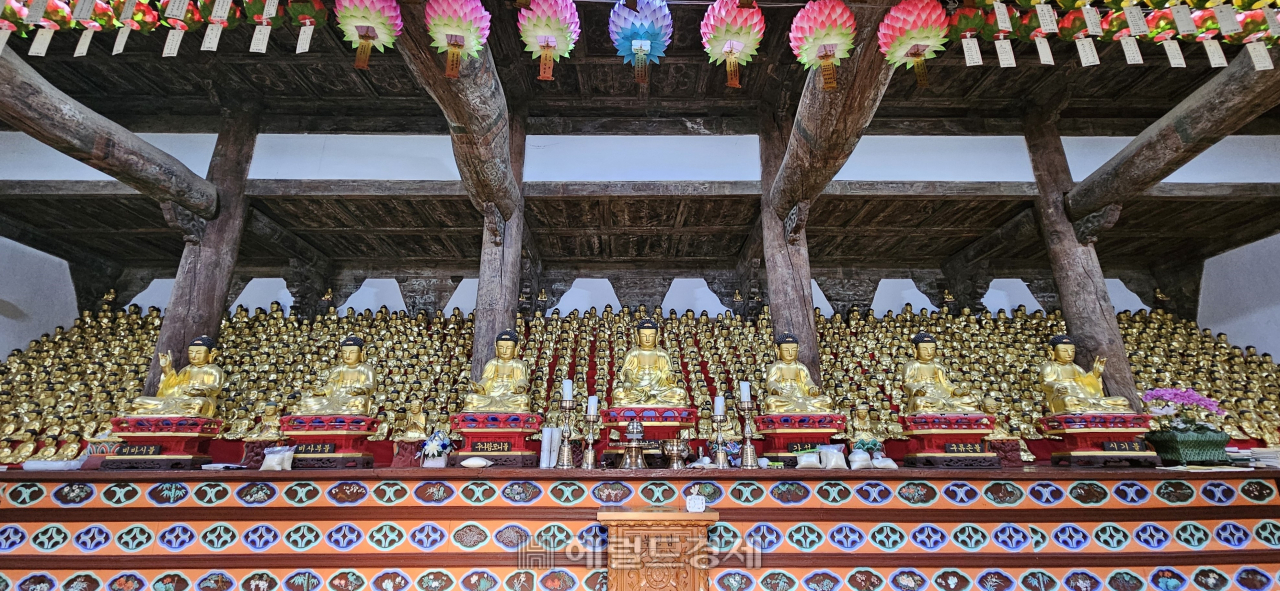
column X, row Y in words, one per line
column 329, row 441
column 500, row 437
column 161, row 443
column 949, row 441
column 787, row 435
column 660, row 423
column 1100, row 439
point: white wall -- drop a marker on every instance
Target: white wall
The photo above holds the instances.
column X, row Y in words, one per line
column 24, row 158
column 1240, row 295
column 464, row 297
column 938, row 158
column 156, row 294
column 820, row 300
column 585, row 293
column 373, row 294
column 642, row 158
column 261, row 291
column 1007, row 294
column 35, row 296
column 1122, row 298
column 892, row 294
column 386, row 157
column 692, row 293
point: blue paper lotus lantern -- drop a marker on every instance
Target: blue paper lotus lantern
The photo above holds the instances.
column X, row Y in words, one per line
column 641, row 31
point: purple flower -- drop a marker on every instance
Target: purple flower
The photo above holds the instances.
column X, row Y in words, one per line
column 1186, row 397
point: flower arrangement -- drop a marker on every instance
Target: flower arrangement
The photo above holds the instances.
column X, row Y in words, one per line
column 435, row 449
column 308, row 13
column 233, row 20
column 13, row 16
column 144, row 19
column 1184, row 406
column 992, row 32
column 641, row 35
column 822, row 35
column 966, row 23
column 459, row 27
column 57, row 16
column 1115, row 26
column 101, row 19
column 1181, row 437
column 254, row 10
column 1253, row 27
column 191, row 20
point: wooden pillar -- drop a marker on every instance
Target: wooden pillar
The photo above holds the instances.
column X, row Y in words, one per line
column 1091, row 319
column 786, row 263
column 498, row 292
column 199, row 297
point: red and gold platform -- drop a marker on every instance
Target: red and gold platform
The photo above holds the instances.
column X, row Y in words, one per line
column 1100, row 439
column 337, row 441
column 161, row 443
column 502, row 438
column 660, row 423
column 949, row 441
column 787, row 435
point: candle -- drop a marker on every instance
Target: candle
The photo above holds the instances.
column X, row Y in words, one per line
column 593, row 403
column 744, row 391
column 566, row 390
column 719, row 406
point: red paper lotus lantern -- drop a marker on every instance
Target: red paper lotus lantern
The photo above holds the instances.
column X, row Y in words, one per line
column 913, row 31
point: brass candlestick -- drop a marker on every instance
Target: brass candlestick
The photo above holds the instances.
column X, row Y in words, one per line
column 589, row 454
column 749, row 460
column 633, row 457
column 722, row 456
column 564, row 460
column 676, row 449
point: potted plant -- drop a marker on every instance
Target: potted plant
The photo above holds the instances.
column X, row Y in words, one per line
column 1181, row 437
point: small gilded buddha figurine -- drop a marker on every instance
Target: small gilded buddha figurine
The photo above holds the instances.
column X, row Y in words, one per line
column 347, row 390
column 415, row 424
column 1072, row 390
column 647, row 377
column 504, row 385
column 790, row 387
column 269, row 428
column 192, row 392
column 926, row 385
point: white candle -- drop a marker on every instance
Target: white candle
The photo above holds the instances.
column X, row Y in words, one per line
column 593, row 403
column 744, row 391
column 566, row 390
column 719, row 406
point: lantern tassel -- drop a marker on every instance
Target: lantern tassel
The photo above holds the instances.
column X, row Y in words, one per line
column 828, row 74
column 731, row 69
column 453, row 65
column 547, row 64
column 363, row 53
column 922, row 75
column 642, row 67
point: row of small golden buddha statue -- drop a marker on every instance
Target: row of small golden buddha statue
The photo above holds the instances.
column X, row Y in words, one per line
column 119, row 352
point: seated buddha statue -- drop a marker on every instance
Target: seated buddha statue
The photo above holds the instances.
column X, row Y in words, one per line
column 790, row 387
column 926, row 385
column 414, row 427
column 192, row 392
column 504, row 385
column 347, row 390
column 1072, row 390
column 647, row 377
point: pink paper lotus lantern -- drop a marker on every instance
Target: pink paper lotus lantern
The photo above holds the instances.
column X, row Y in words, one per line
column 549, row 28
column 459, row 27
column 641, row 32
column 822, row 33
column 913, row 31
column 368, row 24
column 731, row 33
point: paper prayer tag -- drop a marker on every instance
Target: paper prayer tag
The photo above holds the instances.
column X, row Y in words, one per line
column 1004, row 50
column 1227, row 22
column 269, row 8
column 221, row 8
column 172, row 43
column 1132, row 55
column 1258, row 52
column 1137, row 21
column 4, row 39
column 126, row 11
column 40, row 45
column 83, row 10
column 212, row 34
column 35, row 11
column 1182, row 18
column 1042, row 46
column 1002, row 17
column 261, row 34
column 304, row 38
column 176, row 9
column 972, row 57
column 82, row 47
column 1174, row 51
column 1273, row 24
column 1088, row 51
column 1214, row 49
column 121, row 37
column 1048, row 18
column 1092, row 20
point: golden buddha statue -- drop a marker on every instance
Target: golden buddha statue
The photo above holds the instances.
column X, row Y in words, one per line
column 790, row 387
column 240, row 426
column 414, row 425
column 269, row 428
column 347, row 390
column 1072, row 390
column 504, row 385
column 192, row 392
column 69, row 450
column 926, row 385
column 647, row 377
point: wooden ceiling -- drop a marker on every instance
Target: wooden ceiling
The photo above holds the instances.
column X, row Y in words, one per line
column 695, row 224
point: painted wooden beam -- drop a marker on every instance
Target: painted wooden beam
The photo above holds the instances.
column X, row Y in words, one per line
column 30, row 104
